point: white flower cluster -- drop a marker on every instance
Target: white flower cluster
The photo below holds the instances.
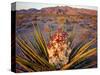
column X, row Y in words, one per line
column 59, row 50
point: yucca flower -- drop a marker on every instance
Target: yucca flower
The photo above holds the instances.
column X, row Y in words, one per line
column 58, row 49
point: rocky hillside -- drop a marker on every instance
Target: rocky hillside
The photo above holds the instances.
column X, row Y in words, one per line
column 63, row 10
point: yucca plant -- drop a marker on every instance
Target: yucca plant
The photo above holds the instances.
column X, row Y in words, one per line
column 35, row 56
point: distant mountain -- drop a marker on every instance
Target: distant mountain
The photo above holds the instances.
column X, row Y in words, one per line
column 63, row 10
column 66, row 10
column 23, row 11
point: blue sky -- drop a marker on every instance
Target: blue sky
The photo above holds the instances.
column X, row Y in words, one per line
column 28, row 5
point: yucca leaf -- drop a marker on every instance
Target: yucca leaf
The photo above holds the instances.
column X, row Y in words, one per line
column 90, row 65
column 80, row 58
column 41, row 40
column 84, row 48
column 33, row 54
column 30, row 65
column 40, row 46
column 31, row 44
column 29, row 50
column 26, row 64
column 85, row 61
column 29, row 57
column 18, row 70
column 93, row 52
column 23, row 63
column 72, row 36
column 76, row 49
